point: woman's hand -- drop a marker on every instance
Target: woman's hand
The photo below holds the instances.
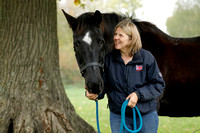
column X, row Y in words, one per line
column 133, row 99
column 90, row 96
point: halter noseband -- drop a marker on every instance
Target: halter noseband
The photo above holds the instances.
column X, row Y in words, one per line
column 90, row 64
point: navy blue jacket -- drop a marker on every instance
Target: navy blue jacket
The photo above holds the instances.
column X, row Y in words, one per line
column 141, row 75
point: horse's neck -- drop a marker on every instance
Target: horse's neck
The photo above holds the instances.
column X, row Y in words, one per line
column 107, row 26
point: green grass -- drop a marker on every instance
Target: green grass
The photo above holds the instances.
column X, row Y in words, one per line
column 87, row 110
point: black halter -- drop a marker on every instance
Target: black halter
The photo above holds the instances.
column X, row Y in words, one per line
column 90, row 64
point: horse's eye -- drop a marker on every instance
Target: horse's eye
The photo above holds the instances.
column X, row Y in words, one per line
column 76, row 44
column 101, row 43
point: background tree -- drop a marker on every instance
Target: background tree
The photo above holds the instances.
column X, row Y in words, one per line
column 185, row 21
column 32, row 96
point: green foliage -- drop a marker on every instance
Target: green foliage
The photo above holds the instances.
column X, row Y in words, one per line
column 77, row 2
column 82, row 5
column 70, row 73
column 185, row 21
column 123, row 6
column 119, row 6
column 86, row 109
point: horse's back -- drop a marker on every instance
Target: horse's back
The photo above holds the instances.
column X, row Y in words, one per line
column 182, row 75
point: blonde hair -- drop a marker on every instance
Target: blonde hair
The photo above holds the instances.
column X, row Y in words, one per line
column 131, row 30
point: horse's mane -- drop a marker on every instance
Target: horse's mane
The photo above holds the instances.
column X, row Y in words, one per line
column 143, row 26
column 111, row 19
column 83, row 21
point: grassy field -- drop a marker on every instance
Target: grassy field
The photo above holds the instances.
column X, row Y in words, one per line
column 86, row 109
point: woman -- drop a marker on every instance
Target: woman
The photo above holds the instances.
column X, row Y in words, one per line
column 131, row 72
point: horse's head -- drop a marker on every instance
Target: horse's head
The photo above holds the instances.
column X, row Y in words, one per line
column 89, row 48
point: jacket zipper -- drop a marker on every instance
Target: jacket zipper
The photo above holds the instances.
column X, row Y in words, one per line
column 126, row 78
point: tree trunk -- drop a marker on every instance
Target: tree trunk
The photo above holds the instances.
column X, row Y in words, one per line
column 32, row 96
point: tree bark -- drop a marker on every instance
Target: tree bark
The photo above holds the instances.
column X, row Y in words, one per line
column 32, row 96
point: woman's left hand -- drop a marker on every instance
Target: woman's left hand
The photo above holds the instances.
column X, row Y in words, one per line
column 133, row 98
column 91, row 96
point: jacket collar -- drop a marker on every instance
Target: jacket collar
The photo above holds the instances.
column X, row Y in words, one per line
column 137, row 58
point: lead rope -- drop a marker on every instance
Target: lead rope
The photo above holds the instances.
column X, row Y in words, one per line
column 123, row 124
column 97, row 116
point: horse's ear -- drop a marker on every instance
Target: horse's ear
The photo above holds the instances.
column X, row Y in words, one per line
column 97, row 18
column 71, row 20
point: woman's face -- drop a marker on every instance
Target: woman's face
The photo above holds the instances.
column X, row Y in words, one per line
column 121, row 40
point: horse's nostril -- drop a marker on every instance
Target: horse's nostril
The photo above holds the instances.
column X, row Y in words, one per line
column 95, row 87
column 91, row 86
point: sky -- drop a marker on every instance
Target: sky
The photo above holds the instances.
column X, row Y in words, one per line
column 156, row 11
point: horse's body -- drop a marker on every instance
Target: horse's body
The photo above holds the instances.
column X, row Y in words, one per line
column 178, row 59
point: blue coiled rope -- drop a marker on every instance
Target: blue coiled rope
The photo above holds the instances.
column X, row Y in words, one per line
column 123, row 123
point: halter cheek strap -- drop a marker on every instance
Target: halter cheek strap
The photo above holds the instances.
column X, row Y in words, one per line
column 90, row 64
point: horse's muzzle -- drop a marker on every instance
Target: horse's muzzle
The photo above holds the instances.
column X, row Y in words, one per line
column 95, row 88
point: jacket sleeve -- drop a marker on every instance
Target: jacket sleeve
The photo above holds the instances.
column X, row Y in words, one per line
column 154, row 85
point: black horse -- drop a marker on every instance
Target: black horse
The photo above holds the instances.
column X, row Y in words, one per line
column 178, row 59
